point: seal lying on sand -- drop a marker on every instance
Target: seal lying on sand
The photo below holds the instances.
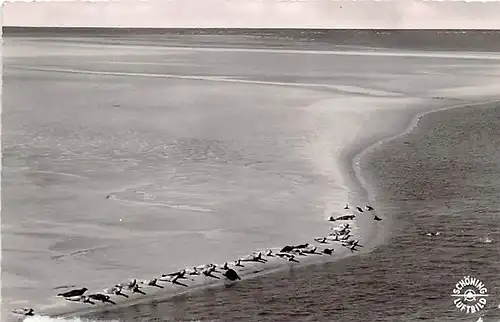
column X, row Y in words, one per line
column 290, row 257
column 128, row 285
column 24, row 311
column 346, row 217
column 179, row 274
column 321, row 240
column 328, row 251
column 340, row 230
column 193, row 271
column 231, row 274
column 169, row 278
column 287, row 249
column 349, row 243
column 136, row 289
column 152, row 282
column 79, row 298
column 255, row 257
column 208, row 270
column 117, row 290
column 101, row 297
column 352, row 248
column 73, row 293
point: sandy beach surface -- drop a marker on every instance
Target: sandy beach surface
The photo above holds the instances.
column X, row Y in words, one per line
column 133, row 161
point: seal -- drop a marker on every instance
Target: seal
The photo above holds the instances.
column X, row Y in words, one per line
column 117, row 290
column 72, row 293
column 24, row 311
column 256, row 257
column 179, row 274
column 152, row 282
column 137, row 289
column 310, row 250
column 352, row 248
column 231, row 274
column 193, row 271
column 287, row 249
column 321, row 240
column 288, row 256
column 346, row 217
column 349, row 243
column 101, row 297
column 79, row 298
column 328, row 251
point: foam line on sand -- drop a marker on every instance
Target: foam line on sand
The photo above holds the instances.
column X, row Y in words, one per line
column 224, row 79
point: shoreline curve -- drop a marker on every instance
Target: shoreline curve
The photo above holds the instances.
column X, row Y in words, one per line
column 413, row 124
column 356, row 161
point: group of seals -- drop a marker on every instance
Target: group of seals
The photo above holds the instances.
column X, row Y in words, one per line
column 367, row 208
column 288, row 252
column 77, row 295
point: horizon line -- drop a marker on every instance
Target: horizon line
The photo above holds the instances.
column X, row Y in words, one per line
column 221, row 27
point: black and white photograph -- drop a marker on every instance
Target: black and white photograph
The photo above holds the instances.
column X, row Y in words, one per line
column 250, row 160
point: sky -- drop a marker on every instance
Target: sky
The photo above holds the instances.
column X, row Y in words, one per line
column 384, row 14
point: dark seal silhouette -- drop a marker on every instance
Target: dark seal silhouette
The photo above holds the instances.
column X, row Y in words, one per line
column 286, row 249
column 231, row 274
column 377, row 218
column 359, row 209
column 370, row 208
column 328, row 251
column 301, row 246
column 101, row 297
column 73, row 293
column 346, row 217
column 136, row 289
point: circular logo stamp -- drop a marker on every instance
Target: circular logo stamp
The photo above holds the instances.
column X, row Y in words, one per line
column 470, row 295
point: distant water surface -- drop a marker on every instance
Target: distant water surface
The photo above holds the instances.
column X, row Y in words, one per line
column 440, row 40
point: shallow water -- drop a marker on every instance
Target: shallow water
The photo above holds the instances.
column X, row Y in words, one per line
column 206, row 156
